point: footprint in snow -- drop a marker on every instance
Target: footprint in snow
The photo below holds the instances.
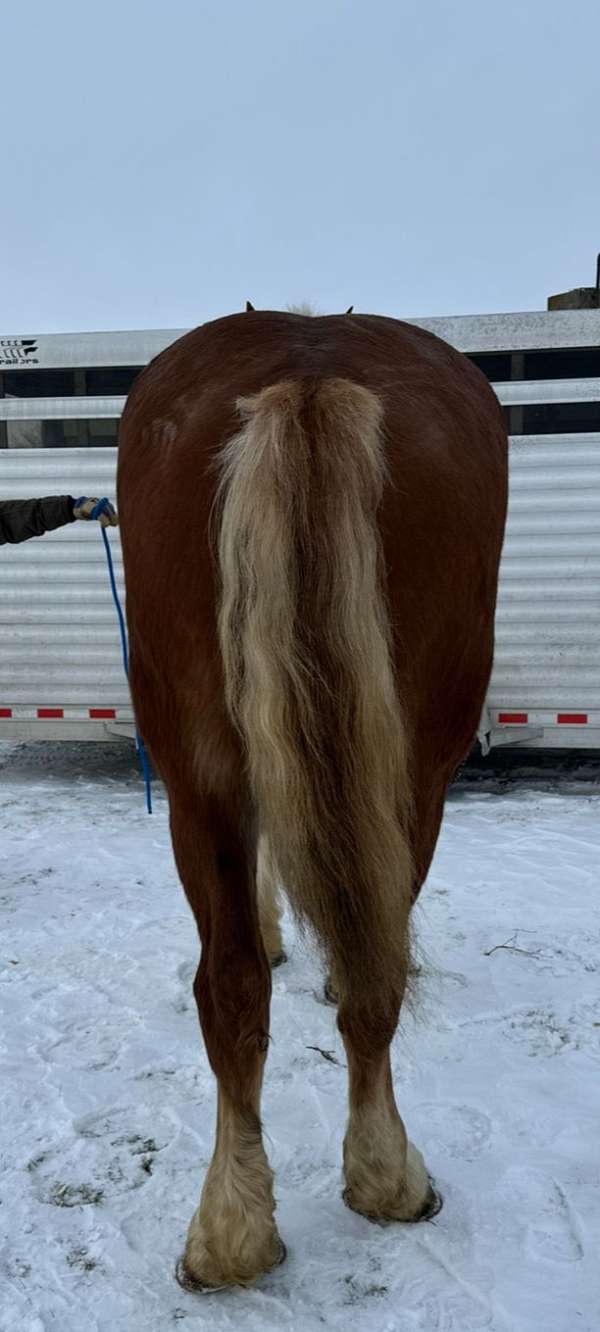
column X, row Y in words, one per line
column 552, row 1228
column 456, row 1130
column 102, row 1158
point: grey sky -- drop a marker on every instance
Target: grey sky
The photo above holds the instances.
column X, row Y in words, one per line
column 161, row 162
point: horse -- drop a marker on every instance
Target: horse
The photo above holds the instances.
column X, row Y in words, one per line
column 312, row 513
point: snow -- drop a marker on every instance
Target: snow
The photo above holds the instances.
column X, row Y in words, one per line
column 107, row 1102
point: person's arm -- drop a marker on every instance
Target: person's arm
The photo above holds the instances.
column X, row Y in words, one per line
column 22, row 519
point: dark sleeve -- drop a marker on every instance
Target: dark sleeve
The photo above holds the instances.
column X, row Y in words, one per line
column 22, row 519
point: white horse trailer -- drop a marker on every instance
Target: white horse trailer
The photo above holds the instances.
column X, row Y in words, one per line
column 61, row 396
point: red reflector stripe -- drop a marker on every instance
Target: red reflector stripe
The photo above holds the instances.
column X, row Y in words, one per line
column 506, row 718
column 5, row 712
column 49, row 712
column 572, row 718
column 97, row 713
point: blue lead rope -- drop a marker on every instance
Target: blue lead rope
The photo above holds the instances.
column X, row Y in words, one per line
column 139, row 743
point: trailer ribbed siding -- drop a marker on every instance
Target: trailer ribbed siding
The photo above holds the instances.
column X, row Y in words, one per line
column 547, row 658
column 59, row 644
column 61, row 670
column 60, row 663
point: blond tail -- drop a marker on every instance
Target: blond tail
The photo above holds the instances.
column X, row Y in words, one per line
column 305, row 644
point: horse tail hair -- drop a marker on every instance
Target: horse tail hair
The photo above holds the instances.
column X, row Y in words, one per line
column 305, row 643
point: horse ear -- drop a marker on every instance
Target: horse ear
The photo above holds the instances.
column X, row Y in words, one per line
column 350, row 309
column 249, row 306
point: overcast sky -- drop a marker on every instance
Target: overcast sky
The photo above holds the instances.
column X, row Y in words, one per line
column 162, row 162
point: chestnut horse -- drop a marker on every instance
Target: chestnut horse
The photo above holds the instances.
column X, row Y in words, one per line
column 312, row 513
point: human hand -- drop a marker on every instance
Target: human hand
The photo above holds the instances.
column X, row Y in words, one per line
column 100, row 509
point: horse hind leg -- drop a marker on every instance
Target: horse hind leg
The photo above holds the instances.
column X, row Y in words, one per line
column 386, row 1177
column 232, row 1238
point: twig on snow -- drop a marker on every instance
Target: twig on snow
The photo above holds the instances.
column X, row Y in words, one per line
column 510, row 946
column 327, row 1054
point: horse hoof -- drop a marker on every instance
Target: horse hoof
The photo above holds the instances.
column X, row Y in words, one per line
column 196, row 1287
column 278, row 959
column 432, row 1205
column 190, row 1283
column 281, row 1257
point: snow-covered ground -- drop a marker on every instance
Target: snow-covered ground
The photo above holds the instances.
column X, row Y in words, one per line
column 107, row 1103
